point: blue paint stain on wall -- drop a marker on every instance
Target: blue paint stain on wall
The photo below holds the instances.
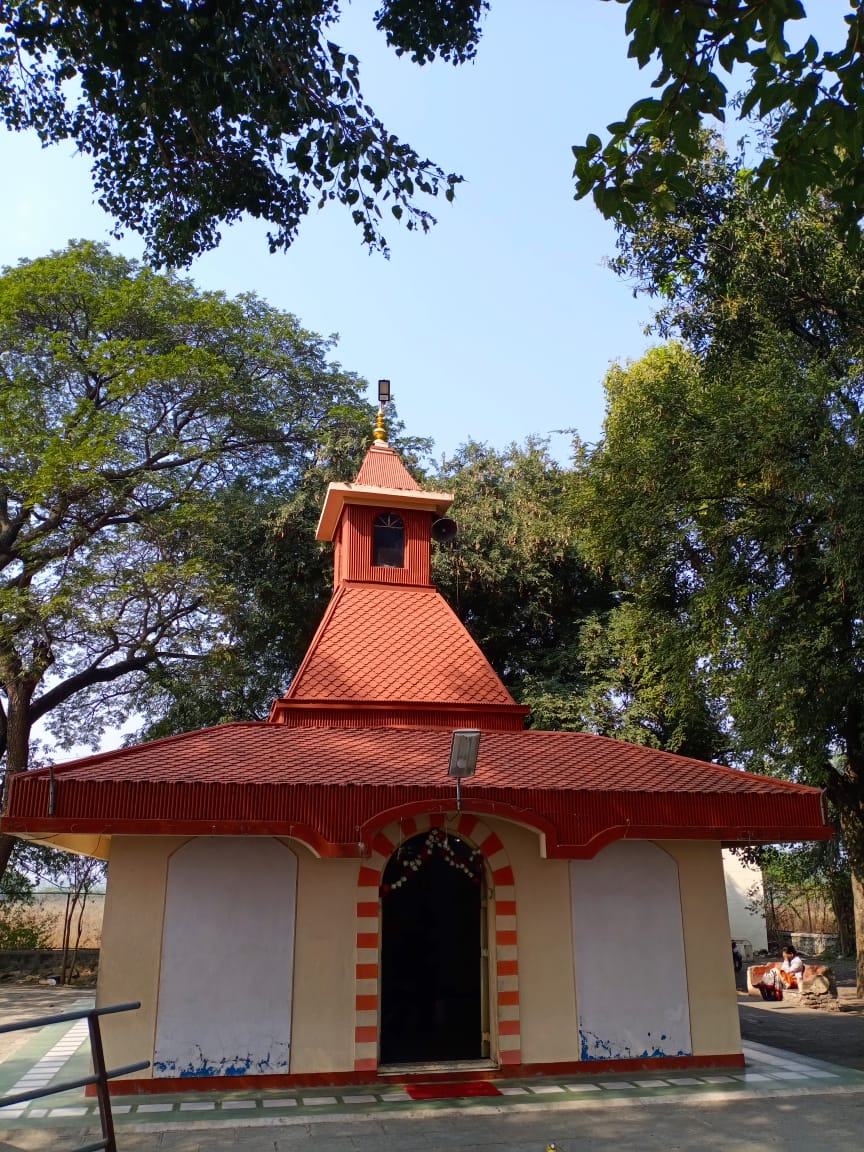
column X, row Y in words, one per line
column 225, row 1066
column 594, row 1047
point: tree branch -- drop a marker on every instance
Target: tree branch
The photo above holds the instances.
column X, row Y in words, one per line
column 95, row 674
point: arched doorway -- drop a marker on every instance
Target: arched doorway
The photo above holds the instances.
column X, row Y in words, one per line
column 433, row 954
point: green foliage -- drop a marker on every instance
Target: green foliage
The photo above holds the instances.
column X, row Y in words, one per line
column 728, row 505
column 640, row 689
column 22, row 926
column 727, row 501
column 426, row 28
column 731, row 262
column 24, row 929
column 728, row 493
column 515, row 576
column 17, row 882
column 195, row 114
column 140, row 421
column 808, row 101
column 262, row 545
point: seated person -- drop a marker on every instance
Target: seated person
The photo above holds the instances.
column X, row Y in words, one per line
column 792, row 968
column 789, row 975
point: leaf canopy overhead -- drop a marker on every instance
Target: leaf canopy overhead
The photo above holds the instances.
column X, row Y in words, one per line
column 195, row 114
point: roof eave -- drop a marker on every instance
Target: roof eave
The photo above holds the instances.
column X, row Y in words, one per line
column 337, row 819
column 338, row 495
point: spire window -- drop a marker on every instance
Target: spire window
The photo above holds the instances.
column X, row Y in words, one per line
column 388, row 541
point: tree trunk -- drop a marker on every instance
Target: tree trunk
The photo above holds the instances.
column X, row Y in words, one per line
column 853, row 840
column 79, row 931
column 7, row 843
column 839, row 906
column 858, row 905
column 67, row 929
column 18, row 725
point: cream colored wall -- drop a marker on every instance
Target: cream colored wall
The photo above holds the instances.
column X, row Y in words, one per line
column 324, row 957
column 132, row 944
column 548, row 1010
column 547, row 995
column 714, row 1024
column 324, row 986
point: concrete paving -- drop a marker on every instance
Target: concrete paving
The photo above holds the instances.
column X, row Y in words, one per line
column 794, row 1123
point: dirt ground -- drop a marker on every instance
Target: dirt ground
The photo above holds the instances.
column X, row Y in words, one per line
column 836, row 1037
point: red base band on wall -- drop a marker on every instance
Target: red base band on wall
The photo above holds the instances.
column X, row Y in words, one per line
column 346, row 1079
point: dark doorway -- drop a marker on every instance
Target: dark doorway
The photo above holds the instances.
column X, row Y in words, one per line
column 432, row 951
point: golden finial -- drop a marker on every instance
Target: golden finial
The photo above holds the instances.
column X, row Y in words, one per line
column 379, row 434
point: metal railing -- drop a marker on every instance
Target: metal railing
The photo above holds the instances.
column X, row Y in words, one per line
column 101, row 1075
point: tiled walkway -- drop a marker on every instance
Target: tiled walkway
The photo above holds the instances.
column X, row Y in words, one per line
column 61, row 1052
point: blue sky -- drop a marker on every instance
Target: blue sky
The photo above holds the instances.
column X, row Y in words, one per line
column 502, row 321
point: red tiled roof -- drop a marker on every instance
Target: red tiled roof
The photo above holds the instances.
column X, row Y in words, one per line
column 260, row 753
column 383, row 468
column 394, row 643
column 333, row 787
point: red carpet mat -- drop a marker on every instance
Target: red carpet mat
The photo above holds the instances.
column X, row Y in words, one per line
column 451, row 1091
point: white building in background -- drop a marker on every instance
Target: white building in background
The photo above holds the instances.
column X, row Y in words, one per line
column 744, row 898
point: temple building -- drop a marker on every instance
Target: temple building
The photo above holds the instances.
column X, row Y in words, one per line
column 314, row 899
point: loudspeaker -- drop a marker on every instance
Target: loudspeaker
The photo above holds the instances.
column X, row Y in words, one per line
column 444, row 530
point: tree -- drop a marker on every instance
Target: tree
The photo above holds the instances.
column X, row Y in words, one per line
column 732, row 261
column 726, row 498
column 805, row 876
column 639, row 688
column 767, row 295
column 263, row 546
column 75, row 877
column 130, row 406
column 22, row 926
column 515, row 576
column 808, row 102
column 195, row 114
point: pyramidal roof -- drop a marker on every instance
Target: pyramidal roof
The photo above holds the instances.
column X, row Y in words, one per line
column 391, row 650
column 383, row 480
column 390, row 654
column 383, row 468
